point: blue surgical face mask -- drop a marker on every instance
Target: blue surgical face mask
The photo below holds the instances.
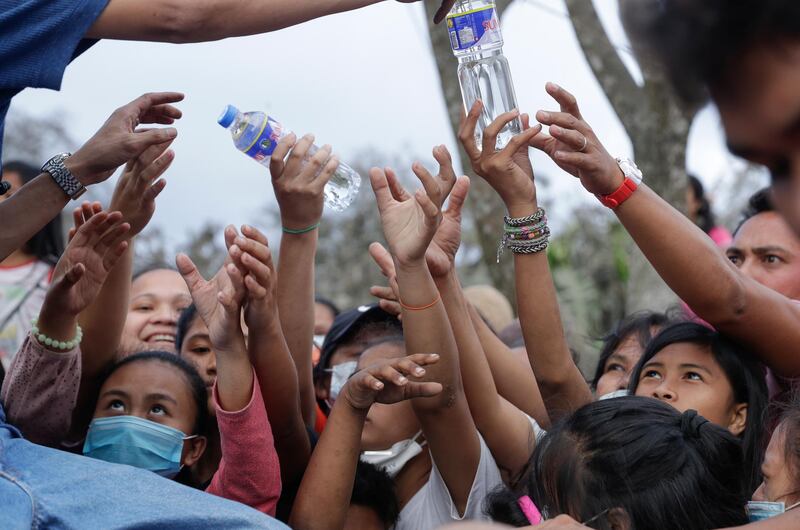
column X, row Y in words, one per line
column 760, row 510
column 136, row 442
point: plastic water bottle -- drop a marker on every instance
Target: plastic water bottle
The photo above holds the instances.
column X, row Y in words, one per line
column 483, row 70
column 256, row 135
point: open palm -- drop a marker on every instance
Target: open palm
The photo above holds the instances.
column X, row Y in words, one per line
column 87, row 260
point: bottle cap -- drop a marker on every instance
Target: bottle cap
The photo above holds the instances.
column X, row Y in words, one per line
column 228, row 115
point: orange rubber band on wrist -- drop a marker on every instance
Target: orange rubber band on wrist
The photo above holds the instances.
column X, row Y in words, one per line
column 420, row 308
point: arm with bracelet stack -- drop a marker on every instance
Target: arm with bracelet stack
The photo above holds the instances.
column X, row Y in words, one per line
column 526, row 235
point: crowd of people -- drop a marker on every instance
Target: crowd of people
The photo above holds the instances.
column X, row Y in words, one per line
column 135, row 398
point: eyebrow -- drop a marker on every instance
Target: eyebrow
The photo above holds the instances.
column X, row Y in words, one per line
column 161, row 397
column 768, row 249
column 695, row 367
column 115, row 392
column 617, row 357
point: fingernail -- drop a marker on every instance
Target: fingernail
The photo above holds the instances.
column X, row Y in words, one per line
column 515, row 112
column 543, row 115
column 378, row 385
column 558, row 154
column 402, row 380
column 555, row 129
column 171, row 132
column 419, row 371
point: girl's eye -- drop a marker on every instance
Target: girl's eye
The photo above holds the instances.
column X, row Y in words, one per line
column 200, row 350
column 117, row 405
column 652, row 373
column 772, row 259
column 158, row 410
column 143, row 308
column 614, row 367
column 734, row 259
column 693, row 376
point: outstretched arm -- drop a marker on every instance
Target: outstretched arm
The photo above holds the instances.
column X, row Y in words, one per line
column 270, row 355
column 409, row 224
column 329, row 479
column 687, row 260
column 39, row 201
column 510, row 173
column 183, row 21
column 299, row 189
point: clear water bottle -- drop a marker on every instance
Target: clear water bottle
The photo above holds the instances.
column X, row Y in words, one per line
column 483, row 70
column 256, row 135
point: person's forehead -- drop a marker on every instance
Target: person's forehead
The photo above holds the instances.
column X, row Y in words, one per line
column 684, row 353
column 197, row 328
column 161, row 283
column 765, row 100
column 767, row 229
column 141, row 378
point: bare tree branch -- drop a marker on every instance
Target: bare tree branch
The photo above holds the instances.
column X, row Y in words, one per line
column 619, row 86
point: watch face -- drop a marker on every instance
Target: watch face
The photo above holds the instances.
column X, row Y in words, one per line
column 630, row 169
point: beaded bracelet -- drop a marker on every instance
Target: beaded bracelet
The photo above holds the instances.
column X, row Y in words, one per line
column 525, row 235
column 44, row 340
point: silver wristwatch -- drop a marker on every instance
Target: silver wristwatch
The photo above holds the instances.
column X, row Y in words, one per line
column 630, row 169
column 66, row 180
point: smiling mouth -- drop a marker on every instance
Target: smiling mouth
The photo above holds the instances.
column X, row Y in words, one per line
column 162, row 338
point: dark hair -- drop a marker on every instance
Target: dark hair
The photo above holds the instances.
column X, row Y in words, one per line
column 48, row 243
column 195, row 383
column 374, row 489
column 759, row 202
column 639, row 325
column 790, row 426
column 329, row 304
column 745, row 375
column 663, row 468
column 698, row 41
column 705, row 217
column 185, row 321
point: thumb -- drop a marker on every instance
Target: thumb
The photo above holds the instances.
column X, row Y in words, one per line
column 382, row 258
column 73, row 275
column 189, row 272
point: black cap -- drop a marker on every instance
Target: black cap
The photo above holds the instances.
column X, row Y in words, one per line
column 346, row 324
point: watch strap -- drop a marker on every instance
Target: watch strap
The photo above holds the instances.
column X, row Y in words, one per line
column 620, row 195
column 63, row 177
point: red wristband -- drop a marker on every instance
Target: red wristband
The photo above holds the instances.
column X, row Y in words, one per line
column 620, row 195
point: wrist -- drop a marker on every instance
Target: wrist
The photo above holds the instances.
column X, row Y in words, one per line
column 415, row 265
column 78, row 169
column 613, row 183
column 522, row 209
column 60, row 327
column 351, row 405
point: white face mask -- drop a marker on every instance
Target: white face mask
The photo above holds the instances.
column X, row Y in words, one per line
column 615, row 394
column 339, row 376
column 392, row 460
column 760, row 510
column 318, row 340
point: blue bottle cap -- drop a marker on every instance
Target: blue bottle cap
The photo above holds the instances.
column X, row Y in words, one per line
column 228, row 115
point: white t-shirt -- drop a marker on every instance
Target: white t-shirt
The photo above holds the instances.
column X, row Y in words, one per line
column 432, row 505
column 22, row 292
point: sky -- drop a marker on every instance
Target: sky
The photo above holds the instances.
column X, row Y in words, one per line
column 360, row 80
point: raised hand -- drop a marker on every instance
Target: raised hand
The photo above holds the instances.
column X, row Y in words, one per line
column 83, row 268
column 299, row 182
column 388, row 295
column 390, row 382
column 218, row 303
column 140, row 184
column 445, row 8
column 250, row 253
column 573, row 145
column 119, row 141
column 508, row 171
column 441, row 254
column 410, row 222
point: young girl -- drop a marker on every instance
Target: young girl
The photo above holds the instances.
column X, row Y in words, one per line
column 690, row 366
column 630, row 463
column 151, row 407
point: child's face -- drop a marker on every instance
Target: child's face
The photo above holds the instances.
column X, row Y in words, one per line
column 687, row 376
column 618, row 367
column 150, row 390
column 198, row 350
column 779, row 484
column 157, row 299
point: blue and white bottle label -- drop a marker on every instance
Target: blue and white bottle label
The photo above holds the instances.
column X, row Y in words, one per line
column 266, row 141
column 479, row 27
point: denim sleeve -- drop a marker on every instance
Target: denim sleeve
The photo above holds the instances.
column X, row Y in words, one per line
column 40, row 38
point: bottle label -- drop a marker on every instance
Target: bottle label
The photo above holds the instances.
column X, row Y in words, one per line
column 266, row 141
column 478, row 27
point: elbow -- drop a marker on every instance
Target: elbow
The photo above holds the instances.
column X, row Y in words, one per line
column 728, row 305
column 179, row 23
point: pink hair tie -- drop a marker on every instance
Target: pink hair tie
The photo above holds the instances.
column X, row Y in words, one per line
column 530, row 510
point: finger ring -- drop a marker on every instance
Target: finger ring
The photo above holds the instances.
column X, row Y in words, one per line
column 585, row 143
